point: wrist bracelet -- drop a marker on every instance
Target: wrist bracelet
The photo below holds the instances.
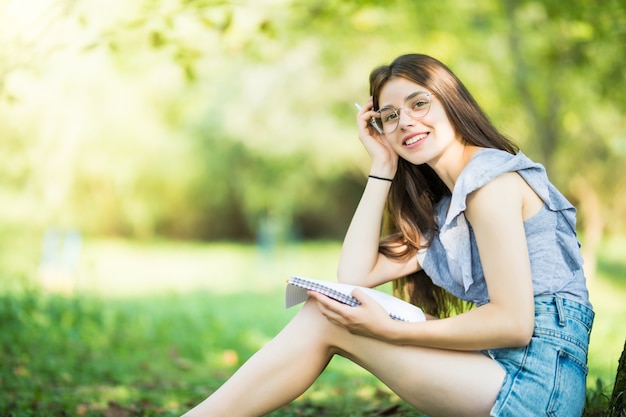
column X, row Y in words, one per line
column 380, row 178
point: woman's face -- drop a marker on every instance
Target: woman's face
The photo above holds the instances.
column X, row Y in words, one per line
column 418, row 140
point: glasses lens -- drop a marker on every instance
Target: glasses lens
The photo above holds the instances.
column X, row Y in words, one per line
column 388, row 119
column 418, row 106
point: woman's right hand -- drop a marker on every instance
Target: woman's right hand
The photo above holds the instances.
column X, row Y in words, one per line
column 384, row 157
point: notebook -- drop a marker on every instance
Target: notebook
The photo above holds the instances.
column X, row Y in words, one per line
column 398, row 309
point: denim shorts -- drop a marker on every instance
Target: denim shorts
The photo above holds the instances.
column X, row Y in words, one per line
column 547, row 377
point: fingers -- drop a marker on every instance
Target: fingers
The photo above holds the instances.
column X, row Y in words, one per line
column 334, row 311
column 329, row 307
column 363, row 298
column 365, row 117
column 367, row 302
column 343, row 314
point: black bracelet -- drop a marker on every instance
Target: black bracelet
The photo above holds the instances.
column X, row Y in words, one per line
column 380, row 178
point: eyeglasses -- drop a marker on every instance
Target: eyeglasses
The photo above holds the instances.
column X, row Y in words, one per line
column 416, row 105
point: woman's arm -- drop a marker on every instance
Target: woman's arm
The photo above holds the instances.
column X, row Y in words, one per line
column 360, row 262
column 495, row 213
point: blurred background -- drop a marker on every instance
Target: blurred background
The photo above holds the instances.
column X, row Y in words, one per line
column 175, row 145
column 216, row 120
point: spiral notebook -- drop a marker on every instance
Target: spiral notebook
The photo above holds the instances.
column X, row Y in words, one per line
column 297, row 287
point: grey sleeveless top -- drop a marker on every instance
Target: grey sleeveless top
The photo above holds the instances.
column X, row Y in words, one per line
column 452, row 260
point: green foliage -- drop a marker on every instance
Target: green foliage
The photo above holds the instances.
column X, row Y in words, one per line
column 203, row 118
column 62, row 355
column 158, row 356
column 147, row 344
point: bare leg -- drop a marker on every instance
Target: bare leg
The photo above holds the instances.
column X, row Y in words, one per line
column 275, row 375
column 436, row 381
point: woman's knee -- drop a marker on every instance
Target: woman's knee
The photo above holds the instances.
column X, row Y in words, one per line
column 328, row 333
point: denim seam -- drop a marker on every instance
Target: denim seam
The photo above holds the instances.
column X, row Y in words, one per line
column 513, row 378
column 568, row 315
column 559, row 335
column 562, row 353
column 573, row 358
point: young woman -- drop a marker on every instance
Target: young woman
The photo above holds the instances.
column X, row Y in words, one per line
column 471, row 218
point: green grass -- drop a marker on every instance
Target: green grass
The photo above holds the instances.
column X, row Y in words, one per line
column 153, row 329
column 608, row 295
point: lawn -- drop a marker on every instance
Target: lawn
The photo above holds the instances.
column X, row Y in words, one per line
column 151, row 329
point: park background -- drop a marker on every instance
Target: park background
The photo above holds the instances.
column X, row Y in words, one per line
column 167, row 164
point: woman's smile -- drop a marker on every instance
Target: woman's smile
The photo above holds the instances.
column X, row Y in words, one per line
column 414, row 139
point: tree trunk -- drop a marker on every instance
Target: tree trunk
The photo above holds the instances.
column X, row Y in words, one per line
column 617, row 406
column 544, row 119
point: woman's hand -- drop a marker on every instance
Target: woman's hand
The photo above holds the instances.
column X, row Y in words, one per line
column 384, row 158
column 369, row 319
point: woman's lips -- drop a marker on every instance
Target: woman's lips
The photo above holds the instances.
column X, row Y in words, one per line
column 412, row 139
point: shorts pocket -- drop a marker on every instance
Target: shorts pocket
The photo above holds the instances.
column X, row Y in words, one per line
column 568, row 395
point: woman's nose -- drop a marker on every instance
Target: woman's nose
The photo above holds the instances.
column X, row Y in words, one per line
column 404, row 119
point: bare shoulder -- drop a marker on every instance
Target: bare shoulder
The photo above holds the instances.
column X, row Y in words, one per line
column 502, row 196
column 508, row 194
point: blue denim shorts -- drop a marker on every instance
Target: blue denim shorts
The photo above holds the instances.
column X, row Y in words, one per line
column 547, row 377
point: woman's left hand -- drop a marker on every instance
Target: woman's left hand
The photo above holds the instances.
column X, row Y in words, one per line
column 368, row 319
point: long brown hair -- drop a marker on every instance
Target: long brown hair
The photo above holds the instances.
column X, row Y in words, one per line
column 416, row 189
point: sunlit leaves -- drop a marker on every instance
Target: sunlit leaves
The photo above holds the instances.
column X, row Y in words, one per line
column 124, row 95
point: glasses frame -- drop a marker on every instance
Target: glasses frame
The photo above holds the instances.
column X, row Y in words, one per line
column 378, row 122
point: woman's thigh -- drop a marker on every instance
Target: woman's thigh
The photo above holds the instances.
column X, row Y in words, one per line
column 436, row 381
